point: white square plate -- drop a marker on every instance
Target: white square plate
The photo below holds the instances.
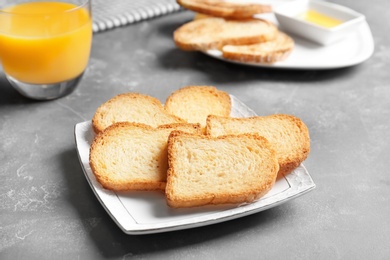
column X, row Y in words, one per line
column 147, row 212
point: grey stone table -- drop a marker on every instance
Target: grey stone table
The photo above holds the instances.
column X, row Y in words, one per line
column 48, row 210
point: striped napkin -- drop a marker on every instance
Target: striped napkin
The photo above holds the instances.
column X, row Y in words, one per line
column 115, row 13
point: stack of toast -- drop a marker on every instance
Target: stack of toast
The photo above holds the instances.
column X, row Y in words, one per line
column 191, row 149
column 232, row 28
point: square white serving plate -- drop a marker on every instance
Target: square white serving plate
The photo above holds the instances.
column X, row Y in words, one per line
column 289, row 20
column 147, row 212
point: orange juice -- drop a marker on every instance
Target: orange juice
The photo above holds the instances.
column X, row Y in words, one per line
column 45, row 42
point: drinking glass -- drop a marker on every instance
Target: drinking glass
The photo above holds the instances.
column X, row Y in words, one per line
column 45, row 45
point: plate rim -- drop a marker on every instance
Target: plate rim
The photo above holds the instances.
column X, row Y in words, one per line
column 368, row 47
column 130, row 226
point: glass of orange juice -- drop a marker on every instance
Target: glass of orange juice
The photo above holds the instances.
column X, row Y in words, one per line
column 45, row 45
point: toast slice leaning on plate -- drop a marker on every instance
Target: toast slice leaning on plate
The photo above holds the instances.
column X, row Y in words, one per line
column 271, row 51
column 207, row 170
column 195, row 103
column 226, row 9
column 132, row 107
column 131, row 156
column 213, row 33
column 287, row 134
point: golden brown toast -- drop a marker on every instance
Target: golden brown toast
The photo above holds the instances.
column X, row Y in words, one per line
column 287, row 134
column 132, row 156
column 226, row 9
column 270, row 51
column 132, row 107
column 195, row 103
column 214, row 33
column 207, row 170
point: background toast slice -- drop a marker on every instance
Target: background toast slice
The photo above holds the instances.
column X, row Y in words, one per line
column 230, row 169
column 132, row 156
column 194, row 103
column 213, row 33
column 287, row 134
column 132, row 107
column 225, row 9
column 271, row 51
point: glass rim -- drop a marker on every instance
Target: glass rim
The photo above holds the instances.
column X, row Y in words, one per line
column 83, row 4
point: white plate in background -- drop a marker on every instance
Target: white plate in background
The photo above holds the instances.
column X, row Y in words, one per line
column 355, row 48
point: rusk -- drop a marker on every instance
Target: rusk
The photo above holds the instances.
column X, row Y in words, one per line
column 271, row 51
column 132, row 156
column 213, row 33
column 288, row 135
column 223, row 170
column 132, row 107
column 195, row 103
column 226, row 9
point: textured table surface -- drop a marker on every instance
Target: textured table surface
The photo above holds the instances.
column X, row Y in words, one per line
column 48, row 210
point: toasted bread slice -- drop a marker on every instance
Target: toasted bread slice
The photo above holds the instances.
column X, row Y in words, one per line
column 226, row 9
column 195, row 103
column 131, row 156
column 132, row 107
column 214, row 33
column 224, row 170
column 271, row 51
column 288, row 135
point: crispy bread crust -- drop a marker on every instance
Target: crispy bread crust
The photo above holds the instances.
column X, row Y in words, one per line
column 130, row 156
column 111, row 111
column 194, row 103
column 225, row 9
column 214, row 33
column 298, row 132
column 245, row 192
column 271, row 51
column 114, row 149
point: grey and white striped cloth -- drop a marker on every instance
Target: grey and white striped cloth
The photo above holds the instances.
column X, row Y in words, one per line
column 115, row 13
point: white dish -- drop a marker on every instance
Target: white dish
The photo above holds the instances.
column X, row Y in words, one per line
column 355, row 48
column 147, row 212
column 289, row 19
